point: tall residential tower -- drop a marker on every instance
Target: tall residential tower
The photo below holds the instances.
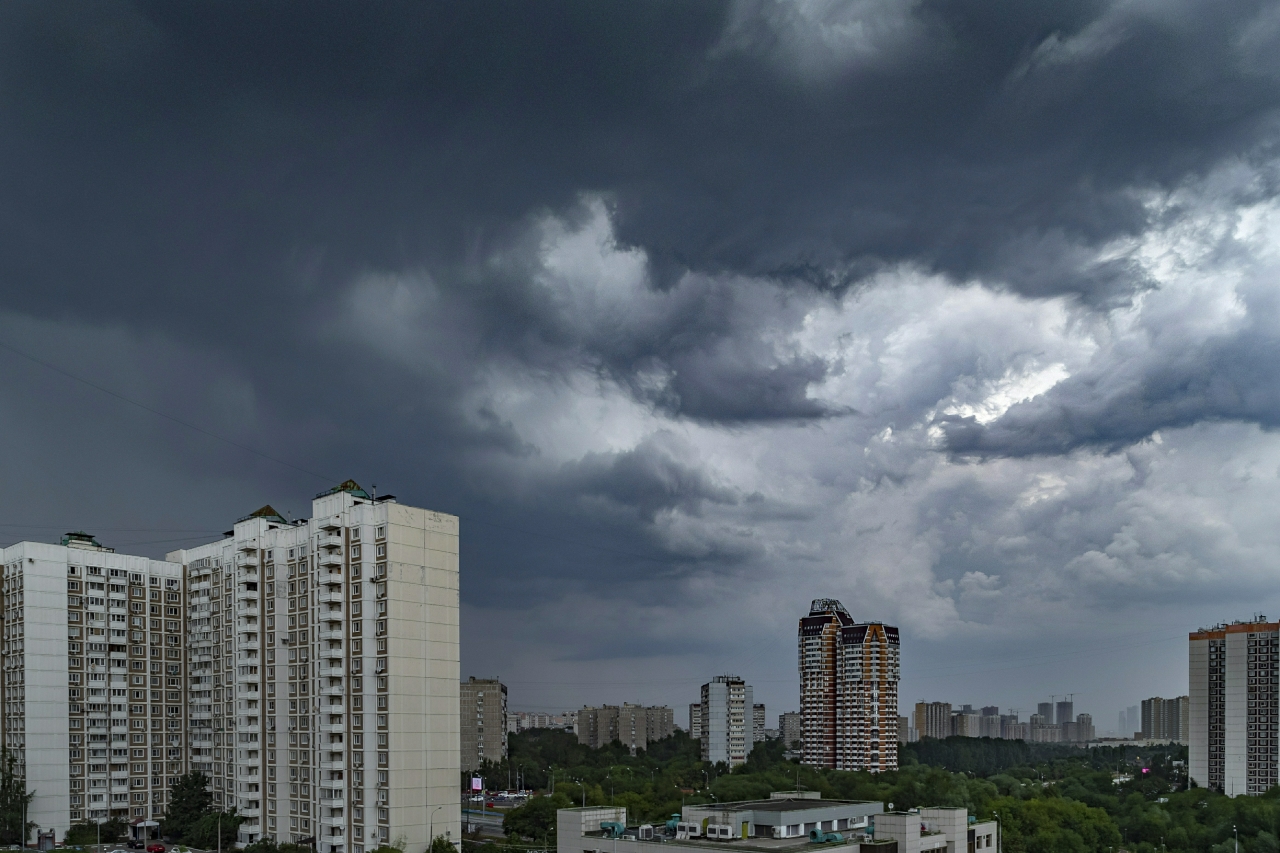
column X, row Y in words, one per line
column 849, row 675
column 323, row 697
column 728, row 730
column 94, row 680
column 1233, row 716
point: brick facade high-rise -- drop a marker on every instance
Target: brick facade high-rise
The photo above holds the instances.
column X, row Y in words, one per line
column 635, row 726
column 849, row 674
column 482, row 721
column 790, row 726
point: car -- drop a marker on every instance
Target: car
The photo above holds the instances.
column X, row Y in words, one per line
column 156, row 847
column 135, row 844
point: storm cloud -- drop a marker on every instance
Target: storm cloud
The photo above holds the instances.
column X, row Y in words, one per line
column 963, row 312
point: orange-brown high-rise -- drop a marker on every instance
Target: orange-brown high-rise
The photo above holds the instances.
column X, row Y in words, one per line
column 848, row 690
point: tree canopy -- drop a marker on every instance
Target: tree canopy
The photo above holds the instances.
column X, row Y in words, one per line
column 14, row 801
column 1048, row 797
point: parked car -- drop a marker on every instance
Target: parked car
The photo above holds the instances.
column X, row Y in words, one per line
column 157, row 847
column 135, row 844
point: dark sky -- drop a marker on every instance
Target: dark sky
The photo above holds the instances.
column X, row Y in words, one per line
column 965, row 312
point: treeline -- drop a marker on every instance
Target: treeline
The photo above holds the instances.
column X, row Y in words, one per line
column 983, row 756
column 1050, row 798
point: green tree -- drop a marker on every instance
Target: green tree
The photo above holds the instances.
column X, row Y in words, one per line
column 14, row 801
column 440, row 844
column 205, row 831
column 1055, row 825
column 536, row 819
column 88, row 833
column 189, row 802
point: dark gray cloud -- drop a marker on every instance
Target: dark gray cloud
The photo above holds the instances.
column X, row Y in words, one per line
column 683, row 299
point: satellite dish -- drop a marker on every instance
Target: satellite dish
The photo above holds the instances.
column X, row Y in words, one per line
column 890, row 806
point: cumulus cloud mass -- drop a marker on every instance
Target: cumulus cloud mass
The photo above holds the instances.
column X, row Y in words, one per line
column 966, row 313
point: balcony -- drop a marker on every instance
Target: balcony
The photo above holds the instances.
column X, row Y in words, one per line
column 330, row 631
column 247, row 609
column 329, row 539
column 333, row 765
column 247, row 561
column 331, row 577
column 329, row 595
column 328, row 728
column 333, row 690
column 330, row 559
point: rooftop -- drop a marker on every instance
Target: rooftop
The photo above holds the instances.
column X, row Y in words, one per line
column 764, row 845
column 350, row 486
column 780, row 805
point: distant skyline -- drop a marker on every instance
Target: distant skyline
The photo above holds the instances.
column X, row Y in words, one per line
column 964, row 313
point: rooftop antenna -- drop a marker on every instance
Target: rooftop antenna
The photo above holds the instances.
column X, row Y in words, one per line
column 375, row 491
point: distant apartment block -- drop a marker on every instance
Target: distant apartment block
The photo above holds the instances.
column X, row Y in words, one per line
column 1016, row 731
column 989, row 723
column 965, row 725
column 1130, row 722
column 1166, row 719
column 695, row 720
column 483, row 715
column 906, row 732
column 728, row 728
column 933, row 719
column 635, row 726
column 789, row 725
column 758, row 722
column 849, row 674
column 520, row 721
column 1084, row 728
column 1233, row 723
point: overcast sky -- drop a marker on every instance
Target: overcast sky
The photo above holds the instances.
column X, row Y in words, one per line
column 964, row 312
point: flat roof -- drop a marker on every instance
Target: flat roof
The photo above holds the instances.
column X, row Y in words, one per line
column 780, row 805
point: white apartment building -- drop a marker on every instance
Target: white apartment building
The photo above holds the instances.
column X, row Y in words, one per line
column 323, row 669
column 728, row 720
column 1233, row 724
column 94, row 680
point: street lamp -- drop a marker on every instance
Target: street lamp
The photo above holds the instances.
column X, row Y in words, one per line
column 431, row 838
column 999, row 833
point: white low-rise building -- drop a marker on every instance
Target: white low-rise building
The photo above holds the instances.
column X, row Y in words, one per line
column 785, row 822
